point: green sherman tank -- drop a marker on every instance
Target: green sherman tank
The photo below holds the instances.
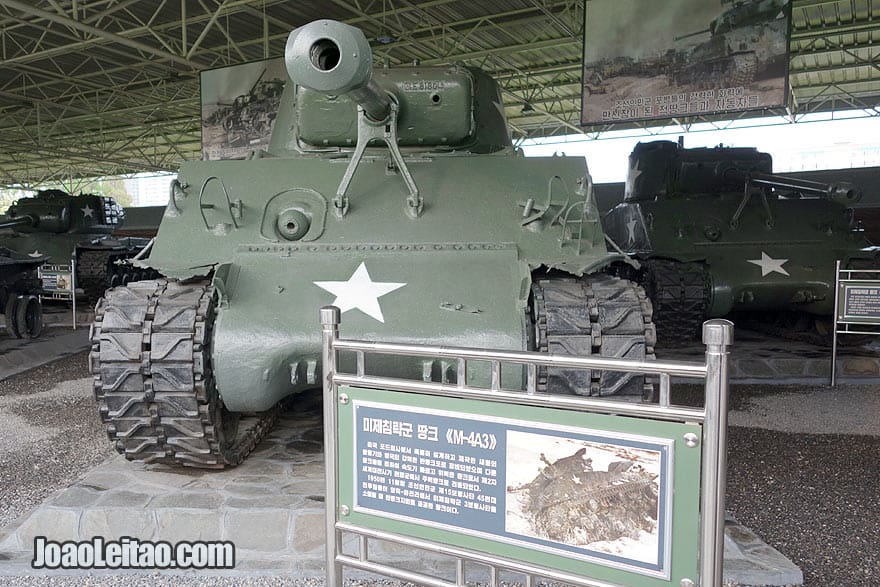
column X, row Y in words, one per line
column 395, row 195
column 19, row 289
column 717, row 232
column 62, row 227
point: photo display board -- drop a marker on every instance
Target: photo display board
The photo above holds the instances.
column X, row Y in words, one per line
column 239, row 107
column 607, row 497
column 649, row 60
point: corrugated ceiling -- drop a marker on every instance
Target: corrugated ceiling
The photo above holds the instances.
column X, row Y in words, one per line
column 101, row 87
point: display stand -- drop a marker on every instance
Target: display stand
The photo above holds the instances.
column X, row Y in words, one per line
column 856, row 303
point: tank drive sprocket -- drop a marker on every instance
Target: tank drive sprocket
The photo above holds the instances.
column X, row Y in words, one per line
column 153, row 379
column 593, row 315
column 680, row 295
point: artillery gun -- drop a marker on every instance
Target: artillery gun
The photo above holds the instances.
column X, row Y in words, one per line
column 19, row 289
column 745, row 40
column 397, row 196
column 717, row 232
column 63, row 227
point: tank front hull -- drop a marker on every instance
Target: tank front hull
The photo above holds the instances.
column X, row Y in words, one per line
column 267, row 336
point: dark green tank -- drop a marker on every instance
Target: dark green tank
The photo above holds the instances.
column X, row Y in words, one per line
column 395, row 194
column 63, row 227
column 717, row 232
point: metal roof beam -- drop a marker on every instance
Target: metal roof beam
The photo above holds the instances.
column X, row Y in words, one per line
column 96, row 32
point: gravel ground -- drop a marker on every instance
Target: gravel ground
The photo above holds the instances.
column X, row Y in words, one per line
column 812, row 496
column 49, row 434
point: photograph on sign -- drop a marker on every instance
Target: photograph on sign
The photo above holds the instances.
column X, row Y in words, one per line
column 691, row 57
column 239, row 107
column 592, row 495
column 598, row 496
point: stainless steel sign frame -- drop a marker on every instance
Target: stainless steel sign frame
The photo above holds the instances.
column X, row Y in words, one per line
column 464, row 470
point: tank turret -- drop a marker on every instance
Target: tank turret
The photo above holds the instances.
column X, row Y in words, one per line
column 662, row 169
column 56, row 212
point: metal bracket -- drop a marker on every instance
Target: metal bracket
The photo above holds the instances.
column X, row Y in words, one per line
column 176, row 186
column 532, row 211
column 235, row 208
column 386, row 132
column 747, row 195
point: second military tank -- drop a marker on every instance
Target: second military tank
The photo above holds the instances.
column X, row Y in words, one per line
column 717, row 232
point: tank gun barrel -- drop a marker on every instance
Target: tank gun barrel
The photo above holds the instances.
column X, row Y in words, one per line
column 334, row 58
column 20, row 221
column 842, row 192
column 693, row 34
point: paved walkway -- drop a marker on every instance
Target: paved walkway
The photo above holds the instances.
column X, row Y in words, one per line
column 759, row 358
column 18, row 355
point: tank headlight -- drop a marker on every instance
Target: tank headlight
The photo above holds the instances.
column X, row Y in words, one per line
column 292, row 224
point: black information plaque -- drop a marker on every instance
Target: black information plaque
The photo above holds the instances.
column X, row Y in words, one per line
column 859, row 302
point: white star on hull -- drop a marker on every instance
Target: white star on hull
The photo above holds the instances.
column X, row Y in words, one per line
column 769, row 265
column 360, row 292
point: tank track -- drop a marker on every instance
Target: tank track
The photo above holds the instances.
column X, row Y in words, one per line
column 96, row 272
column 91, row 273
column 153, row 380
column 594, row 315
column 680, row 294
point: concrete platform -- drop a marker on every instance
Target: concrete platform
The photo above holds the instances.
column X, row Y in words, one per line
column 760, row 358
column 271, row 507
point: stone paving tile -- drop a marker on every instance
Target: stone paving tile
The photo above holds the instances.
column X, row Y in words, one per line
column 175, row 525
column 116, row 523
column 258, row 530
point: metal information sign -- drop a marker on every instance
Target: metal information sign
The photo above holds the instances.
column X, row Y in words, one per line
column 568, row 491
column 859, row 301
column 57, row 281
column 577, row 490
column 856, row 303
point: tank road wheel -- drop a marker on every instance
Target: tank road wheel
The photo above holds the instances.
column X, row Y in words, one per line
column 595, row 315
column 92, row 274
column 680, row 295
column 153, row 378
column 9, row 313
column 29, row 316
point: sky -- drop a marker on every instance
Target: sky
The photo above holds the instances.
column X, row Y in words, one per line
column 814, row 142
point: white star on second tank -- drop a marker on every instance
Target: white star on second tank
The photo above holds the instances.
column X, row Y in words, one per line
column 35, row 254
column 769, row 265
column 631, row 230
column 360, row 292
column 88, row 212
